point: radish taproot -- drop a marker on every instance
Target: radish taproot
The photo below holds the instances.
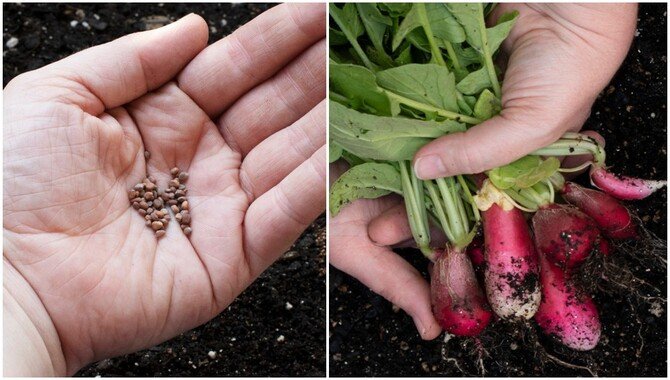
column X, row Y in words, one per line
column 613, row 219
column 564, row 235
column 565, row 312
column 511, row 274
column 458, row 302
column 622, row 187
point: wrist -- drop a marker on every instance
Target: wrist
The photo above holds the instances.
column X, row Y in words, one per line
column 31, row 342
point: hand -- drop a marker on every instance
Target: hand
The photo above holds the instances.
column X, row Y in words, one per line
column 373, row 262
column 85, row 278
column 559, row 58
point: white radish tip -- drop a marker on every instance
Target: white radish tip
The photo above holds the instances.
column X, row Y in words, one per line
column 622, row 187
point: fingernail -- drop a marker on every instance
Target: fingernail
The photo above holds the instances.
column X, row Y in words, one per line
column 429, row 167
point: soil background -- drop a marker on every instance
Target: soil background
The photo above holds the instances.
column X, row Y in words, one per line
column 369, row 337
column 260, row 334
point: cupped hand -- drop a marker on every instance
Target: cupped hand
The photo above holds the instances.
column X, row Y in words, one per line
column 558, row 58
column 244, row 116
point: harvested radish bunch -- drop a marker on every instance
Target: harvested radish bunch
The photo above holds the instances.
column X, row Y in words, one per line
column 566, row 313
column 458, row 303
column 564, row 235
column 613, row 219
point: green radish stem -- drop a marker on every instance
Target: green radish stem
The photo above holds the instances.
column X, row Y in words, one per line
column 573, row 144
column 490, row 68
column 428, row 108
column 352, row 40
column 434, row 49
column 416, row 209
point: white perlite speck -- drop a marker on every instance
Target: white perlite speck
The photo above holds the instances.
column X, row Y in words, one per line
column 212, row 355
column 288, row 306
column 12, row 42
column 281, row 339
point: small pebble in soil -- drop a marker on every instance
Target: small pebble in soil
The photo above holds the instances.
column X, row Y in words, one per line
column 281, row 339
column 212, row 355
column 12, row 42
column 288, row 306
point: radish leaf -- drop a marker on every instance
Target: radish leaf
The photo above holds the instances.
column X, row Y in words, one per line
column 524, row 172
column 369, row 180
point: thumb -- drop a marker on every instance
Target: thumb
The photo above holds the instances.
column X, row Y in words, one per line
column 509, row 136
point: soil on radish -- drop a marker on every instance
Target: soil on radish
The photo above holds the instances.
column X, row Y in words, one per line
column 276, row 327
column 369, row 336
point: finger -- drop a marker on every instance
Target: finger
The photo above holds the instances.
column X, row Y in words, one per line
column 279, row 216
column 224, row 71
column 277, row 156
column 278, row 102
column 391, row 227
column 493, row 143
column 386, row 274
column 115, row 73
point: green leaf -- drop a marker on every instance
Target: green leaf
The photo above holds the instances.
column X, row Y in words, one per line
column 408, row 24
column 426, row 83
column 352, row 159
column 443, row 24
column 474, row 82
column 383, row 138
column 334, row 152
column 498, row 33
column 405, row 56
column 471, row 17
column 487, row 106
column 524, row 172
column 349, row 18
column 360, row 86
column 337, row 38
column 375, row 25
column 370, row 180
column 467, row 56
column 395, row 9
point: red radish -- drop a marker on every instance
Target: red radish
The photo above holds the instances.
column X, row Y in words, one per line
column 511, row 274
column 623, row 187
column 476, row 251
column 458, row 302
column 564, row 235
column 612, row 217
column 604, row 247
column 566, row 313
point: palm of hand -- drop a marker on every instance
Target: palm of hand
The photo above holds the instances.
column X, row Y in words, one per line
column 107, row 283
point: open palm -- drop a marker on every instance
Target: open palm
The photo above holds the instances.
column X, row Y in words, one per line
column 245, row 117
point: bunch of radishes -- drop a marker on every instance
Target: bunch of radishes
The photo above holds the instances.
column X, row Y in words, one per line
column 532, row 276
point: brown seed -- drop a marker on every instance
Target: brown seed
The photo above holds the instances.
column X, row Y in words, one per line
column 174, row 208
column 150, row 210
column 165, row 196
column 174, row 171
column 164, row 221
column 184, row 205
column 183, row 226
column 178, row 216
column 167, row 217
column 149, row 195
column 182, row 187
column 138, row 199
column 144, row 205
column 148, row 223
column 186, row 218
column 132, row 194
column 158, row 203
column 172, row 202
column 142, row 212
column 183, row 176
column 188, row 230
column 147, row 154
column 150, row 186
column 181, row 199
column 160, row 233
column 139, row 187
column 136, row 205
column 156, row 225
column 159, row 214
column 174, row 183
column 147, row 217
column 179, row 193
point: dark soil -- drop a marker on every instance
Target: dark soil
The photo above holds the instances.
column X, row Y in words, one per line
column 369, row 337
column 246, row 339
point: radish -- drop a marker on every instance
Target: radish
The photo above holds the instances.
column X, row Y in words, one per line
column 566, row 313
column 511, row 274
column 476, row 251
column 613, row 219
column 458, row 303
column 564, row 235
column 622, row 187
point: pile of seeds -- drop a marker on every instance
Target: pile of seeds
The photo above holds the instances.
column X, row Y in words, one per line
column 153, row 204
column 147, row 200
column 175, row 196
